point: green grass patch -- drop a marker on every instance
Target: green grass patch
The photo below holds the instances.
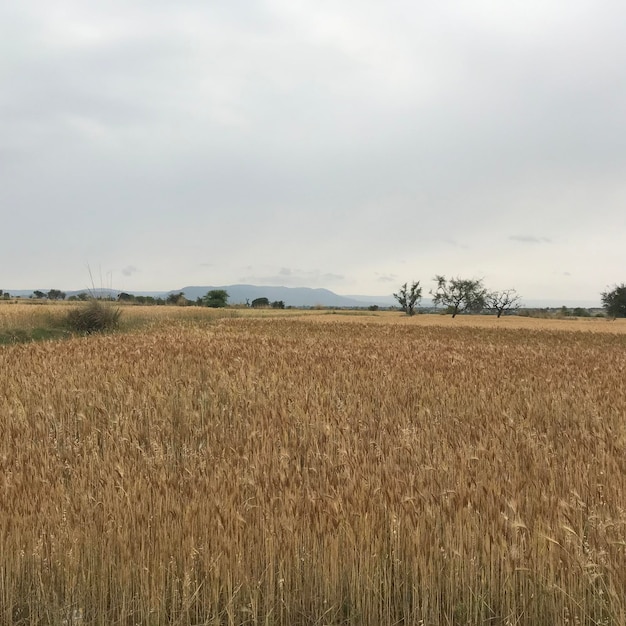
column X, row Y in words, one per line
column 23, row 335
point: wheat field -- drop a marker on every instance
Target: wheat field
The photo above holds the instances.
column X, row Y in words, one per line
column 317, row 469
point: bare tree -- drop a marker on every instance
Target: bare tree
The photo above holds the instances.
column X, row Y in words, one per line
column 409, row 297
column 460, row 294
column 501, row 301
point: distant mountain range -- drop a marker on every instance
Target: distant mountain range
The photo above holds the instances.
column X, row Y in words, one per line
column 295, row 296
column 291, row 296
column 240, row 294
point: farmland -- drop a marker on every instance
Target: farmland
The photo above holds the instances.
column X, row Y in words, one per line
column 314, row 468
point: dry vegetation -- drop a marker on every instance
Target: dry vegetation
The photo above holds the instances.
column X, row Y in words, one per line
column 286, row 471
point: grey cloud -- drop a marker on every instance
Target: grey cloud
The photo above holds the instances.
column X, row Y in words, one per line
column 336, row 136
column 456, row 244
column 387, row 278
column 529, row 239
column 294, row 278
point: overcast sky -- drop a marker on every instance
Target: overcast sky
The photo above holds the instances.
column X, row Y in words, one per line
column 347, row 145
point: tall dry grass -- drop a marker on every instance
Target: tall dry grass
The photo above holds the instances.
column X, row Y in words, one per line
column 28, row 316
column 285, row 471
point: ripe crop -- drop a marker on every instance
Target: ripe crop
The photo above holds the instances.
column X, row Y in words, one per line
column 320, row 469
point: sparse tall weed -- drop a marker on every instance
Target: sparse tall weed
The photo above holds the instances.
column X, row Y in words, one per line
column 95, row 316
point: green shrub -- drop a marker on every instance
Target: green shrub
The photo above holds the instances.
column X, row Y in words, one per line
column 94, row 317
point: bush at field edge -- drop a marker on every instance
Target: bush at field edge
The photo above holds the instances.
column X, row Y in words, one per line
column 96, row 316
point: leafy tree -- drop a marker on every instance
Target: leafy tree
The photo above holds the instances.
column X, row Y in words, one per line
column 56, row 294
column 460, row 294
column 147, row 300
column 175, row 298
column 260, row 302
column 409, row 297
column 614, row 301
column 503, row 301
column 278, row 304
column 125, row 297
column 216, row 298
column 580, row 312
column 39, row 294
